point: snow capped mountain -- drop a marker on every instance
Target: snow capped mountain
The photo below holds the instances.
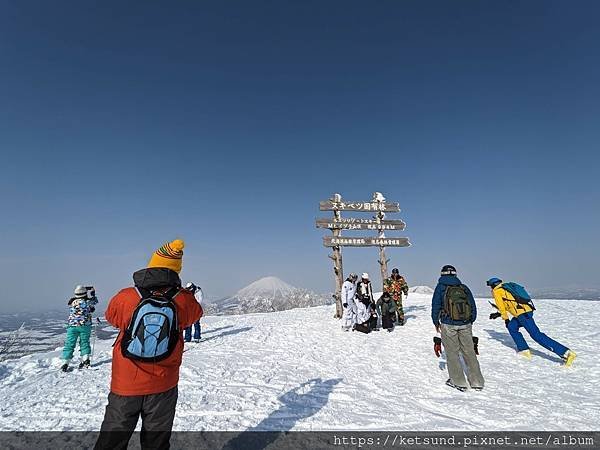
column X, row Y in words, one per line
column 425, row 290
column 267, row 295
column 267, row 286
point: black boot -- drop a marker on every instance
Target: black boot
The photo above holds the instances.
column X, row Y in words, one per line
column 451, row 384
column 85, row 364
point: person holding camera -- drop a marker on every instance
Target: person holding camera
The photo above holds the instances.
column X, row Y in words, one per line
column 187, row 335
column 79, row 326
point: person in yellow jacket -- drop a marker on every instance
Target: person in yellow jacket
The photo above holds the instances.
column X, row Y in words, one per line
column 522, row 316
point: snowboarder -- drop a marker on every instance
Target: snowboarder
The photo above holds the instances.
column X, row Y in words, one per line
column 145, row 372
column 363, row 301
column 197, row 292
column 453, row 312
column 348, row 292
column 508, row 301
column 396, row 286
column 387, row 310
column 364, row 290
column 79, row 326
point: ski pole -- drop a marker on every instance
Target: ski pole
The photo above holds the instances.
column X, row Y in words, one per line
column 93, row 338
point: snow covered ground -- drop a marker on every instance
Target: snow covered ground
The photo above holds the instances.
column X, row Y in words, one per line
column 297, row 370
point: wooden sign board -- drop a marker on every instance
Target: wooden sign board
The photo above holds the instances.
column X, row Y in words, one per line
column 372, row 206
column 332, row 241
column 360, row 224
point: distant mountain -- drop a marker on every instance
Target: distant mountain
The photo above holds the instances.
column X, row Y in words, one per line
column 567, row 293
column 425, row 290
column 558, row 294
column 267, row 295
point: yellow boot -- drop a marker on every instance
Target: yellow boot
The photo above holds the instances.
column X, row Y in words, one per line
column 569, row 357
column 525, row 354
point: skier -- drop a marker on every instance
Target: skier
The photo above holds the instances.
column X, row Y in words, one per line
column 364, row 290
column 387, row 310
column 454, row 306
column 396, row 286
column 363, row 301
column 197, row 292
column 348, row 292
column 521, row 309
column 79, row 326
column 145, row 371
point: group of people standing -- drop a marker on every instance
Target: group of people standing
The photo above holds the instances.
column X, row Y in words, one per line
column 361, row 312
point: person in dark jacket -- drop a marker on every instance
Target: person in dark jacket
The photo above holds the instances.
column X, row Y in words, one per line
column 387, row 310
column 453, row 311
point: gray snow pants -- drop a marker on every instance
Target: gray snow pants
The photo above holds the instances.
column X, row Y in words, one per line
column 458, row 340
column 122, row 414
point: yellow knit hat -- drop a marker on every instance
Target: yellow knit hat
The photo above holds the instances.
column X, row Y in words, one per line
column 168, row 256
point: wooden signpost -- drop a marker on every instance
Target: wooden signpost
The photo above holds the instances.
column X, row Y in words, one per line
column 337, row 224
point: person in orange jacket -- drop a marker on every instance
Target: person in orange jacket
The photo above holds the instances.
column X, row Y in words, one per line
column 140, row 386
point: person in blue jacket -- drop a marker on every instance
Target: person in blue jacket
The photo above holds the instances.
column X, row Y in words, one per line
column 453, row 311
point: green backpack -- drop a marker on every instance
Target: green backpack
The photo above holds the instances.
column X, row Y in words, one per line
column 456, row 303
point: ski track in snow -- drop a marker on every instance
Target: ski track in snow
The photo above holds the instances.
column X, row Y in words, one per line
column 298, row 370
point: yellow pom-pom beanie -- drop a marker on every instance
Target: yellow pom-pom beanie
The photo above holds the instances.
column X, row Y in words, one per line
column 168, row 256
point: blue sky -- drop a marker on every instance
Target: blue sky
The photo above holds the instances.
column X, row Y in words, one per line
column 126, row 125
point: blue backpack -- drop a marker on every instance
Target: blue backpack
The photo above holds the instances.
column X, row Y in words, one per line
column 152, row 333
column 519, row 293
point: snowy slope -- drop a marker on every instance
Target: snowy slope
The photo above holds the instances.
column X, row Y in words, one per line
column 297, row 370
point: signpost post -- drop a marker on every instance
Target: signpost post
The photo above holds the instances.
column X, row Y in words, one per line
column 379, row 206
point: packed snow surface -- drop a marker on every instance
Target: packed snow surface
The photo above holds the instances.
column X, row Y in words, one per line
column 298, row 370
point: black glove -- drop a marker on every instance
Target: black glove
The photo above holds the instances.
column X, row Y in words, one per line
column 345, row 305
column 437, row 346
column 506, row 322
column 92, row 309
column 476, row 345
column 495, row 315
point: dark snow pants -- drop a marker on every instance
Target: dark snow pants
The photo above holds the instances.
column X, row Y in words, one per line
column 122, row 414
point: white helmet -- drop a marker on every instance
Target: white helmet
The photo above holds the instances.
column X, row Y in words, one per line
column 365, row 276
column 80, row 291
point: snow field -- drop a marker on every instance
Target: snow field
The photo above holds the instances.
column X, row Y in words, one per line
column 298, row 370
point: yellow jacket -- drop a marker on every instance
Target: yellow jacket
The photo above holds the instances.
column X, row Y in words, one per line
column 506, row 303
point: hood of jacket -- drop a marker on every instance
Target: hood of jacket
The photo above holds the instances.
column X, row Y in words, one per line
column 156, row 277
column 449, row 280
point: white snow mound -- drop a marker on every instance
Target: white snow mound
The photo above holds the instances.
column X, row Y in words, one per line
column 426, row 290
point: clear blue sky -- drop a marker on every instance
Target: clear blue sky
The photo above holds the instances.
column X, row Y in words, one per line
column 127, row 124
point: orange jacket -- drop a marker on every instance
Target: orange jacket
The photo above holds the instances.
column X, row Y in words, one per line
column 130, row 377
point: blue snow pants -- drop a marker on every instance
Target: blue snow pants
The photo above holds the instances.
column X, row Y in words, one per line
column 188, row 332
column 74, row 334
column 526, row 321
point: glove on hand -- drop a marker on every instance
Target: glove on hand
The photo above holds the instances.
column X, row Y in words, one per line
column 495, row 315
column 476, row 345
column 345, row 305
column 437, row 346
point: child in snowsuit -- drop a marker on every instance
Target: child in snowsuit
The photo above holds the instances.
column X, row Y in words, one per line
column 522, row 316
column 79, row 327
column 387, row 309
